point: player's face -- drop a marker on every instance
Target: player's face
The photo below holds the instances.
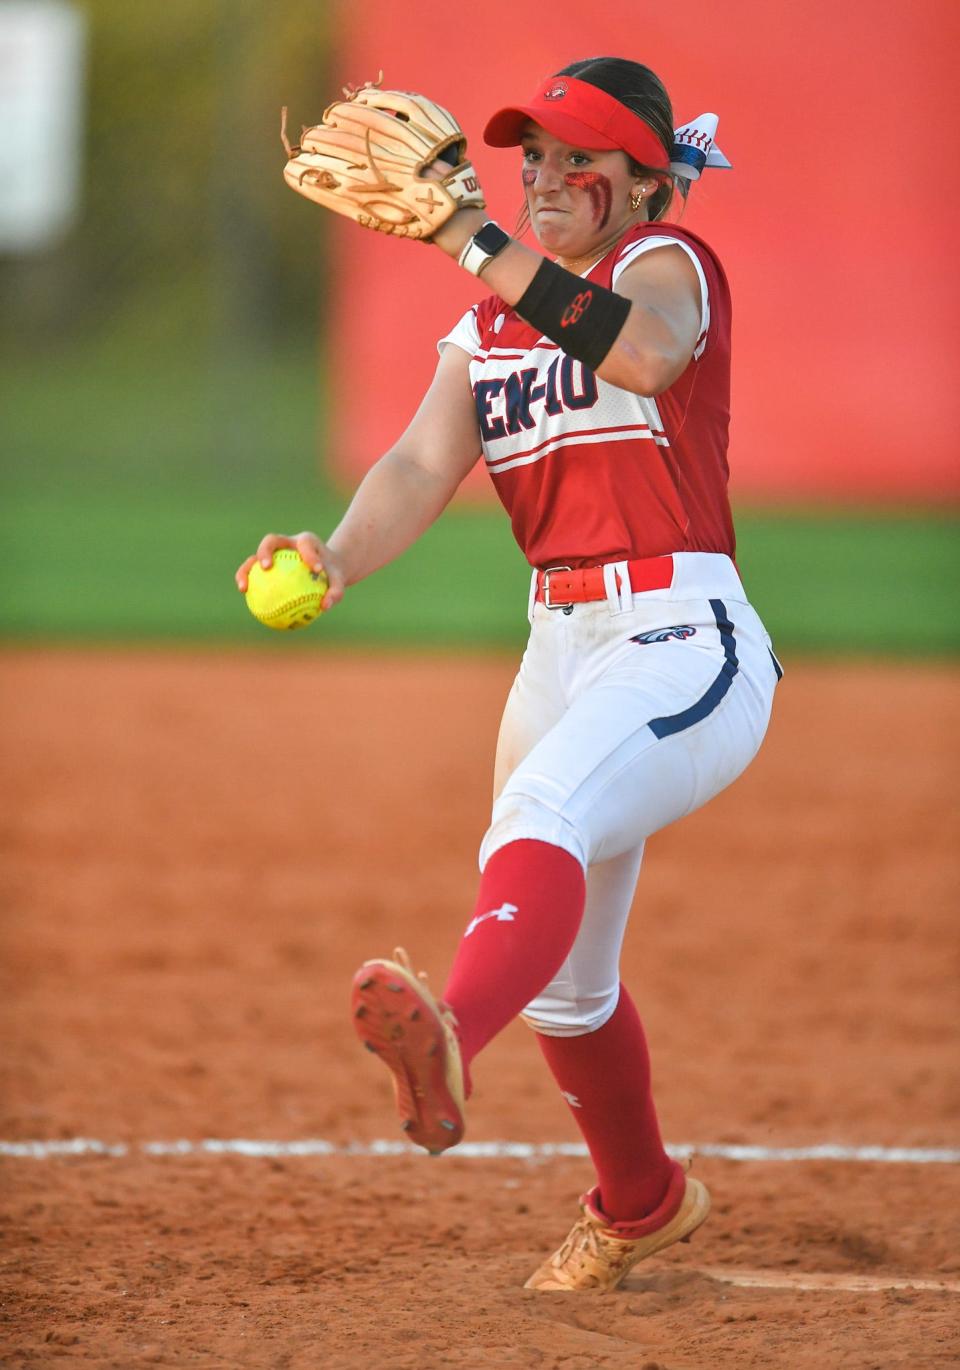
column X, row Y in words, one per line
column 578, row 198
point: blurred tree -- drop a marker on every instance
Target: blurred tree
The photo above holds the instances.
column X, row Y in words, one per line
column 187, row 235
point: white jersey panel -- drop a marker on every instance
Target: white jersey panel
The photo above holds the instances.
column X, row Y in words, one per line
column 465, row 334
column 533, row 403
column 636, row 250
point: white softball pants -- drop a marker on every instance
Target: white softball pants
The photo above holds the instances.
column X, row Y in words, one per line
column 626, row 714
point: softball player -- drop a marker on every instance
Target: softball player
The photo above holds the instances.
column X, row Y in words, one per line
column 596, row 388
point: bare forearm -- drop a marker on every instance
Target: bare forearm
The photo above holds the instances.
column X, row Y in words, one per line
column 394, row 504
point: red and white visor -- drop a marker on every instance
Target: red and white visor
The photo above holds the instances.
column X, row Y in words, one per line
column 583, row 116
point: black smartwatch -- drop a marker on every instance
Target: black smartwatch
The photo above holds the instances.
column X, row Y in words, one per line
column 483, row 247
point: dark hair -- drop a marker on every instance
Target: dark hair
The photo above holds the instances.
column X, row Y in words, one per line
column 644, row 94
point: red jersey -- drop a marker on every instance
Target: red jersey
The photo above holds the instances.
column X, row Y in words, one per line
column 589, row 472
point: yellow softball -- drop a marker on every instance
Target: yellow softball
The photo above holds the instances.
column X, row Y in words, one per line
column 289, row 594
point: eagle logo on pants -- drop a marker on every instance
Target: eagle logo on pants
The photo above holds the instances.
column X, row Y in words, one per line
column 681, row 631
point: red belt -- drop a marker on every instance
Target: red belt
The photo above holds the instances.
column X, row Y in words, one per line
column 560, row 587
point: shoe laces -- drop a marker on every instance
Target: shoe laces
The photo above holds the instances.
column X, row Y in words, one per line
column 582, row 1240
column 402, row 958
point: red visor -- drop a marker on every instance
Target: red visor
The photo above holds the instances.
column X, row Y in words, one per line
column 582, row 116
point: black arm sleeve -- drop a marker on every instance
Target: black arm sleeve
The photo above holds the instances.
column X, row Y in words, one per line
column 581, row 318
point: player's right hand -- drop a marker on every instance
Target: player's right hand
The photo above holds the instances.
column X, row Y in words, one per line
column 314, row 553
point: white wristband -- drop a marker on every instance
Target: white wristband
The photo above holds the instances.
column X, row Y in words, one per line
column 488, row 240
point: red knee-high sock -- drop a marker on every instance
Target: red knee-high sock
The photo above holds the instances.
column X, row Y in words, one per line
column 605, row 1077
column 526, row 919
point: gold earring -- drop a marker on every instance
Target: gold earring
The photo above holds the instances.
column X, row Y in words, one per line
column 636, row 200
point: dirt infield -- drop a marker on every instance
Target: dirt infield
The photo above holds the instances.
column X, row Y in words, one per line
column 198, row 849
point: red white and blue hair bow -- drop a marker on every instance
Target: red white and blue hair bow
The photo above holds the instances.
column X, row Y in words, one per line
column 694, row 148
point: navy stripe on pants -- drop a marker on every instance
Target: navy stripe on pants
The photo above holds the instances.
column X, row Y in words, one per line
column 705, row 705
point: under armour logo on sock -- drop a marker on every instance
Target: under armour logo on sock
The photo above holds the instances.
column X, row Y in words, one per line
column 571, row 1099
column 504, row 914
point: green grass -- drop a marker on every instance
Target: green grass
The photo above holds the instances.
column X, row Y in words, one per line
column 163, row 566
column 158, row 563
column 854, row 581
column 133, row 485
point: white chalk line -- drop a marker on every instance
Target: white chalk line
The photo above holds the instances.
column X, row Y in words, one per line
column 479, row 1151
column 852, row 1284
column 533, row 1151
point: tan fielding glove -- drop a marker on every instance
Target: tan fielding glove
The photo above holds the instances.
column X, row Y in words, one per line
column 367, row 159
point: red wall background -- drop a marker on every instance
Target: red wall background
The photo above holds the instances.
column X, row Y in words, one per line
column 837, row 224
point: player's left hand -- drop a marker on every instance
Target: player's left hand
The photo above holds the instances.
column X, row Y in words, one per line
column 314, row 553
column 453, row 236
